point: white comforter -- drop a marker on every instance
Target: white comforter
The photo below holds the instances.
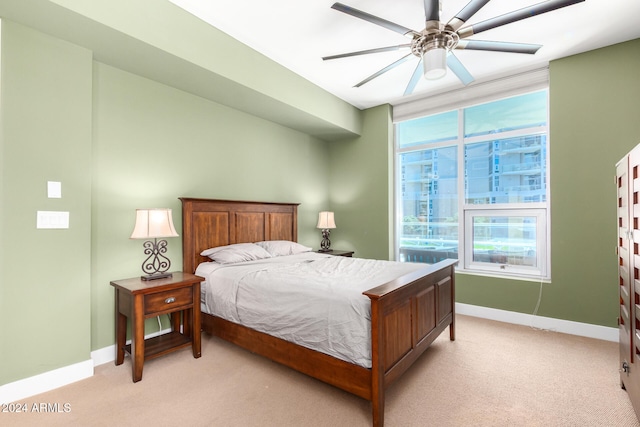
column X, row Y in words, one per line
column 314, row 300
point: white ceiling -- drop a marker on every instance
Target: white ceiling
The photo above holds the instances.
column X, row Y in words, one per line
column 297, row 34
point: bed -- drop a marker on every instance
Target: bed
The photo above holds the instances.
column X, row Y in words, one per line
column 407, row 313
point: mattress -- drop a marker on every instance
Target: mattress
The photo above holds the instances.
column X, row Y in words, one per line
column 313, row 300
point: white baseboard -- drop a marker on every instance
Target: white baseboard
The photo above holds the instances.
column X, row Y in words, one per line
column 46, row 381
column 104, row 355
column 548, row 323
column 69, row 374
column 50, row 380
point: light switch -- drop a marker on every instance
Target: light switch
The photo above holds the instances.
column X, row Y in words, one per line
column 54, row 189
column 52, row 219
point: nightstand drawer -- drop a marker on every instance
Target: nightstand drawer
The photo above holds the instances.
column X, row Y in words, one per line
column 167, row 300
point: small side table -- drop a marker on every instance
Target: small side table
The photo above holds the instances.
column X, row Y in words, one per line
column 138, row 299
column 337, row 252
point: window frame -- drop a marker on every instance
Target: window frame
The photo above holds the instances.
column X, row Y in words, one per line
column 465, row 210
column 539, row 211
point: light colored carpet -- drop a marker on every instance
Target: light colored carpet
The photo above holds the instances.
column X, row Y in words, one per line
column 494, row 374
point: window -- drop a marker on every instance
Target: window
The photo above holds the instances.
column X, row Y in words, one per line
column 473, row 186
column 510, row 240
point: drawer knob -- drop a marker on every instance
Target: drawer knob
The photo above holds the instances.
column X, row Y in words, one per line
column 170, row 300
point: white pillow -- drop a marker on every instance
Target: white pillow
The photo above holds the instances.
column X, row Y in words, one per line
column 283, row 247
column 238, row 252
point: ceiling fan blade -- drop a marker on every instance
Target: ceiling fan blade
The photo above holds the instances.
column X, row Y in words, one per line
column 415, row 78
column 365, row 52
column 373, row 19
column 385, row 69
column 458, row 69
column 527, row 12
column 498, row 46
column 466, row 13
column 432, row 10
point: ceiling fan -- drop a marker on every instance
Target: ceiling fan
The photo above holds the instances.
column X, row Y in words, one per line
column 434, row 45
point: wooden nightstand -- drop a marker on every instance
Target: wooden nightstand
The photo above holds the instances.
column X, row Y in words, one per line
column 337, row 252
column 138, row 300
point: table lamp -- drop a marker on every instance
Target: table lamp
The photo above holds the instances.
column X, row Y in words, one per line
column 326, row 222
column 154, row 224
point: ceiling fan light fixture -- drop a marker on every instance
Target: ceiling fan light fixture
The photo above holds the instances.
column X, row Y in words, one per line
column 434, row 62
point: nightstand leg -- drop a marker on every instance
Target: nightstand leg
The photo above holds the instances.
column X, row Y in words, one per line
column 121, row 337
column 121, row 330
column 137, row 339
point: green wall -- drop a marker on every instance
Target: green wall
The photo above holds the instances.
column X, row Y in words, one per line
column 361, row 187
column 117, row 142
column 594, row 121
column 153, row 144
column 45, row 107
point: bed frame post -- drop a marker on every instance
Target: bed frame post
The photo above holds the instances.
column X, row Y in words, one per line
column 377, row 366
column 452, row 325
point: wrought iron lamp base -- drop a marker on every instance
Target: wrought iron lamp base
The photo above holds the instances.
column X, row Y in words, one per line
column 325, row 243
column 156, row 264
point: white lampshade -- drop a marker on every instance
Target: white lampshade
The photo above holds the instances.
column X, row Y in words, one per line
column 326, row 220
column 435, row 63
column 153, row 223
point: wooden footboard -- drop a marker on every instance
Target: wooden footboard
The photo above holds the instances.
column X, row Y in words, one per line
column 407, row 315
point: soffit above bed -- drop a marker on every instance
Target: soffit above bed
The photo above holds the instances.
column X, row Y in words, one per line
column 160, row 41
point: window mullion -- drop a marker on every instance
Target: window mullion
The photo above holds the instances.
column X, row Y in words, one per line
column 461, row 188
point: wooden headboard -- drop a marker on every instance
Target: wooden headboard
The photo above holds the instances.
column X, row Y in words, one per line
column 208, row 223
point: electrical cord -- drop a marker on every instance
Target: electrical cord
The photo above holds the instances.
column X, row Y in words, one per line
column 535, row 310
column 160, row 321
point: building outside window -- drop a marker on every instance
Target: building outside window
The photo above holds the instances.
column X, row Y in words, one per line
column 472, row 185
